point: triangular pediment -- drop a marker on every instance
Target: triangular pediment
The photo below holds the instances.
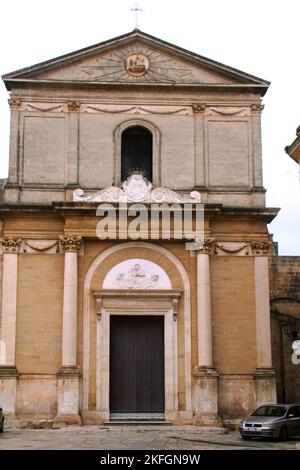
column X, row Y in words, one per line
column 134, row 58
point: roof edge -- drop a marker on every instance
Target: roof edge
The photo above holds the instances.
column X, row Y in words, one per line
column 136, row 33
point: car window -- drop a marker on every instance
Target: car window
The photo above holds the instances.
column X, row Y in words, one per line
column 293, row 410
column 268, row 410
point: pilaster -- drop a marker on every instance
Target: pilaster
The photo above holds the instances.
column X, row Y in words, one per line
column 68, row 375
column 205, row 374
column 8, row 370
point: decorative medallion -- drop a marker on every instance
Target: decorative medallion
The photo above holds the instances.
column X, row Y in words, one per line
column 137, row 64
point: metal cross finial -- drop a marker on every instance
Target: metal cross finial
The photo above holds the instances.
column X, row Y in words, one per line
column 136, row 11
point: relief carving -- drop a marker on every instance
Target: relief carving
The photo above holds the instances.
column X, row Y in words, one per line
column 43, row 108
column 199, row 108
column 72, row 243
column 261, row 247
column 136, row 278
column 137, row 110
column 15, row 103
column 73, row 106
column 137, row 189
column 136, row 63
column 10, row 245
column 227, row 111
column 257, row 108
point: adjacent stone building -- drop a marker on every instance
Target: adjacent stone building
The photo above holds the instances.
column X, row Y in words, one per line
column 293, row 150
column 94, row 330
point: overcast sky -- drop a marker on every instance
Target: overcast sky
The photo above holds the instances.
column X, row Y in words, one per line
column 260, row 37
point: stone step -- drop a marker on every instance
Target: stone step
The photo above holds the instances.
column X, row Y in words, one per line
column 137, row 422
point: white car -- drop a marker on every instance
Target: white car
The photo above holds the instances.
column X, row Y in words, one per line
column 273, row 420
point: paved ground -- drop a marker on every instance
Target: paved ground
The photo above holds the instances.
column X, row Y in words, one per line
column 133, row 438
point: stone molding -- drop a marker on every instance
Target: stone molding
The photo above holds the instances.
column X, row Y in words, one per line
column 8, row 371
column 205, row 372
column 70, row 244
column 264, row 373
column 10, row 245
column 68, row 372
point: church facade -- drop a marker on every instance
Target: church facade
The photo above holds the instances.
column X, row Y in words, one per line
column 140, row 321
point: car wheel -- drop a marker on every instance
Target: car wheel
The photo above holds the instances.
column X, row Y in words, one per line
column 1, row 428
column 284, row 434
column 246, row 438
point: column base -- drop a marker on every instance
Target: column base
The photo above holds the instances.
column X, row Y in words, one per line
column 8, row 391
column 208, row 420
column 61, row 421
column 68, row 398
column 265, row 385
column 206, row 397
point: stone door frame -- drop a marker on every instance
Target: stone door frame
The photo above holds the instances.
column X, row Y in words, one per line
column 89, row 309
column 128, row 303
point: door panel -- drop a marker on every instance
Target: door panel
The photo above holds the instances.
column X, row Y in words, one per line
column 137, row 364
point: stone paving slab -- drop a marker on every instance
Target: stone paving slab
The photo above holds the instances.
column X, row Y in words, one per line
column 133, row 438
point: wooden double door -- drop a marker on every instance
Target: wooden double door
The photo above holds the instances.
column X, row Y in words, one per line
column 137, row 364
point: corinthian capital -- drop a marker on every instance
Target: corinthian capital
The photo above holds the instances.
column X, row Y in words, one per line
column 70, row 243
column 261, row 247
column 14, row 103
column 10, row 245
column 257, row 108
column 207, row 246
column 73, row 106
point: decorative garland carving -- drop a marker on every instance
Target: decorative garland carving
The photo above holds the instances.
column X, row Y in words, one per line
column 232, row 250
column 44, row 109
column 136, row 110
column 40, row 249
column 10, row 245
column 70, row 243
column 227, row 112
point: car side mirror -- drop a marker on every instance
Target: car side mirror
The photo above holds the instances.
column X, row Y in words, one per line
column 291, row 415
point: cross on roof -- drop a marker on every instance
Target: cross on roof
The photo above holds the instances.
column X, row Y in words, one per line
column 136, row 10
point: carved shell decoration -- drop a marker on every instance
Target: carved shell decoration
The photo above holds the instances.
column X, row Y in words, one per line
column 137, row 189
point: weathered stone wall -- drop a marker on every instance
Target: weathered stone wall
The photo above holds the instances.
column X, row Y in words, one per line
column 234, row 338
column 285, row 302
column 82, row 148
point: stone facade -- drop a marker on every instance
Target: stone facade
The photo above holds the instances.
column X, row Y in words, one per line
column 67, row 119
column 293, row 150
